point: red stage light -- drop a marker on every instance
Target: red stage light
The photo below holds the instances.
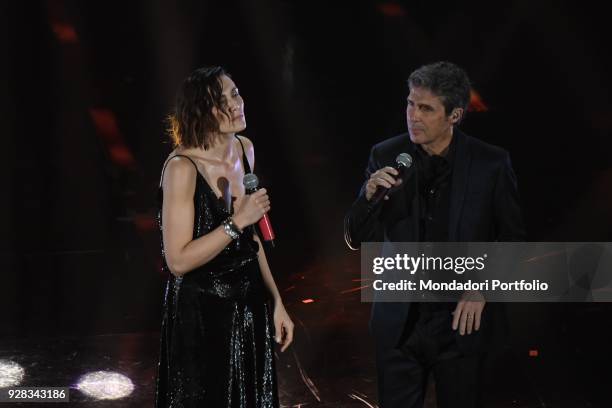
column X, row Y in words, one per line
column 353, row 289
column 391, row 10
column 65, row 33
column 145, row 222
column 106, row 126
column 476, row 102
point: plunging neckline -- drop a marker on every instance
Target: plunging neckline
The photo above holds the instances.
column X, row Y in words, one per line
column 246, row 168
column 218, row 200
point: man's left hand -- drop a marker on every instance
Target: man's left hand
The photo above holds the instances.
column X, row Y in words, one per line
column 467, row 314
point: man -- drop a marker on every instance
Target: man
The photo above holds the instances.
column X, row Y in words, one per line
column 459, row 189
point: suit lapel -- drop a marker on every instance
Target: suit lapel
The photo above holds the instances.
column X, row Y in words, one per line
column 403, row 202
column 460, row 177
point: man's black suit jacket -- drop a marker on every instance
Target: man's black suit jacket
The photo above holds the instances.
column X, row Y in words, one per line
column 484, row 207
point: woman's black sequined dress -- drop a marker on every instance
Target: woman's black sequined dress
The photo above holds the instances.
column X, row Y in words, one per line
column 217, row 332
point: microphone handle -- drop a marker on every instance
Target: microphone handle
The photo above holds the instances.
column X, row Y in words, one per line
column 378, row 196
column 264, row 225
column 381, row 191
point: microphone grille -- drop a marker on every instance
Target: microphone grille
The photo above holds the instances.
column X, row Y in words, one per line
column 404, row 159
column 250, row 181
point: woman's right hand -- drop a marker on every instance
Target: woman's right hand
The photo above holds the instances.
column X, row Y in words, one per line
column 250, row 208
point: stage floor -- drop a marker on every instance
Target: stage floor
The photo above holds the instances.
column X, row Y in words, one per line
column 331, row 363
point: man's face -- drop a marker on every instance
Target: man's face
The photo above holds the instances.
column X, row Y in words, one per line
column 426, row 117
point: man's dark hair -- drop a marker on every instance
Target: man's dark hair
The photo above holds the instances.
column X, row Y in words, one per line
column 192, row 120
column 445, row 80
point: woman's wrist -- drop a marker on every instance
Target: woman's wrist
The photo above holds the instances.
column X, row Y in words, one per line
column 238, row 222
column 231, row 229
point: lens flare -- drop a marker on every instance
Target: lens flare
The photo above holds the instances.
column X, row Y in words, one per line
column 105, row 385
column 11, row 373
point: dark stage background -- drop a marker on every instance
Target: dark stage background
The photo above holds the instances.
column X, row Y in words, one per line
column 87, row 86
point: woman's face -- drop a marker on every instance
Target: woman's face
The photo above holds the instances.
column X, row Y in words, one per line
column 233, row 105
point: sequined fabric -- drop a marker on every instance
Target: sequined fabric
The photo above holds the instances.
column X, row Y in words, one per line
column 216, row 337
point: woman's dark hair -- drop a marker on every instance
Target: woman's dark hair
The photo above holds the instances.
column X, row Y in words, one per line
column 192, row 120
column 445, row 80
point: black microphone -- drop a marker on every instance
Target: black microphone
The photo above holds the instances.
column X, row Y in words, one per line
column 402, row 162
column 251, row 185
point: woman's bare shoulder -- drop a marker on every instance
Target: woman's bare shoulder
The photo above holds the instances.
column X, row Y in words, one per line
column 179, row 173
column 245, row 141
column 248, row 149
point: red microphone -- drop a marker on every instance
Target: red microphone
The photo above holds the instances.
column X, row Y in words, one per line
column 251, row 185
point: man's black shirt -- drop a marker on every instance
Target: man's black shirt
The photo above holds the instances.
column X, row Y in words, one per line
column 434, row 189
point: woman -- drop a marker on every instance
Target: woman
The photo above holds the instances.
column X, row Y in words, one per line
column 217, row 329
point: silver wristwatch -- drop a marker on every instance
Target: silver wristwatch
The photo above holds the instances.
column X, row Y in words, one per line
column 231, row 229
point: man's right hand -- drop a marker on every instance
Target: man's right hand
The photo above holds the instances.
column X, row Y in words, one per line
column 384, row 177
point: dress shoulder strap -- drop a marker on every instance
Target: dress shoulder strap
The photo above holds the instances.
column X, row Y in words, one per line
column 168, row 161
column 245, row 161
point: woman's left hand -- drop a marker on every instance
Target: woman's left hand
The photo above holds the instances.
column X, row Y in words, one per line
column 283, row 326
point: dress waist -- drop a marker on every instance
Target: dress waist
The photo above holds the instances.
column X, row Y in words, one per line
column 232, row 279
